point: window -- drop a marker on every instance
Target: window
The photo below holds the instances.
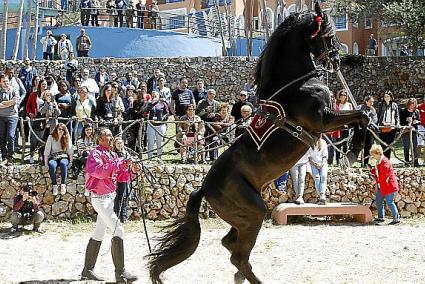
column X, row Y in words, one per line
column 210, row 3
column 355, row 48
column 368, row 23
column 341, row 23
column 176, row 22
column 161, row 2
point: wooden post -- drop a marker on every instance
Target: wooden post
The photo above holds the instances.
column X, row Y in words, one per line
column 224, row 50
column 4, row 29
column 28, row 30
column 35, row 37
column 18, row 30
column 264, row 19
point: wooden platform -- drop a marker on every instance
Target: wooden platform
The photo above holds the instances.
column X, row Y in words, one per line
column 281, row 212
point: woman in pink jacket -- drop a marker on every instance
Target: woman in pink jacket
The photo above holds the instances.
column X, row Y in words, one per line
column 387, row 184
column 102, row 169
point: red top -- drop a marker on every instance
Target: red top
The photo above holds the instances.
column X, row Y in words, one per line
column 421, row 109
column 386, row 177
column 31, row 107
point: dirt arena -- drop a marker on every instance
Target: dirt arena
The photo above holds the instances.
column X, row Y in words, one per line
column 306, row 252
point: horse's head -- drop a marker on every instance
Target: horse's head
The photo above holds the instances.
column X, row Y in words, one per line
column 322, row 39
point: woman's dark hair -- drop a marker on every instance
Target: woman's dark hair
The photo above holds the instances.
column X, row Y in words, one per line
column 65, row 136
column 33, row 80
column 367, row 98
column 39, row 86
column 83, row 134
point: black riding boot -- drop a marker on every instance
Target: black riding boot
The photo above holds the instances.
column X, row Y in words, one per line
column 121, row 276
column 92, row 251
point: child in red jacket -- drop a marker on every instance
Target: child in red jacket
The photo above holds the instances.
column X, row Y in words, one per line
column 387, row 184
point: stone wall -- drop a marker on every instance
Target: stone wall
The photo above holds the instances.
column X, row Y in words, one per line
column 405, row 76
column 169, row 191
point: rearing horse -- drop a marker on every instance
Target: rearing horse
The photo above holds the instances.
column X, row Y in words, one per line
column 287, row 74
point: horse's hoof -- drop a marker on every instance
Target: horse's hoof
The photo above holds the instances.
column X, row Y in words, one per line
column 239, row 278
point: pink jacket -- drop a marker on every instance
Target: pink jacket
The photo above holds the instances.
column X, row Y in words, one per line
column 102, row 169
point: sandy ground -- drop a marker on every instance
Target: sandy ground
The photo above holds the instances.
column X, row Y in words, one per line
column 307, row 252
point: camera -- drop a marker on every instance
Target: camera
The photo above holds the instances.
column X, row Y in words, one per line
column 30, row 190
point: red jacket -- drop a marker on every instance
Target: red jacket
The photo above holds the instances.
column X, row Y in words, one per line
column 386, row 177
column 421, row 109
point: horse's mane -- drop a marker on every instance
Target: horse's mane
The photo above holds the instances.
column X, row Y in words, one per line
column 279, row 35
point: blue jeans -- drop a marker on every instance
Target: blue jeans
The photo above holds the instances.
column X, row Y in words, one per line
column 320, row 177
column 63, row 164
column 7, row 136
column 406, row 147
column 281, row 181
column 389, row 198
column 121, row 200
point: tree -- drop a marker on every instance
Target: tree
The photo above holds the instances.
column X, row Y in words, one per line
column 4, row 29
column 28, row 30
column 18, row 30
column 34, row 42
column 409, row 16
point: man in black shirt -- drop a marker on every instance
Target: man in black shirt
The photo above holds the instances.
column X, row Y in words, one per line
column 199, row 93
column 236, row 109
column 181, row 98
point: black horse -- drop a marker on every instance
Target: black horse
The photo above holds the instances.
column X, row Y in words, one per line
column 286, row 72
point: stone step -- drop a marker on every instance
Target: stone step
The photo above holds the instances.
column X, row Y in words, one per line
column 361, row 213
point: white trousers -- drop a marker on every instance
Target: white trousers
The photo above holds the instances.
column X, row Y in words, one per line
column 421, row 140
column 154, row 133
column 298, row 173
column 106, row 217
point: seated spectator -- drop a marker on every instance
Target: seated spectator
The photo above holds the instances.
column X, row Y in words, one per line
column 190, row 129
column 84, row 145
column 245, row 121
column 84, row 110
column 58, row 151
column 222, row 130
column 236, row 108
column 319, row 168
column 280, row 183
column 157, row 112
column 123, row 188
column 298, row 173
column 409, row 116
column 26, row 209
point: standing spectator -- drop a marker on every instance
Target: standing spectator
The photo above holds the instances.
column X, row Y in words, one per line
column 190, row 131
column 26, row 209
column 64, row 47
column 370, row 111
column 421, row 127
column 164, row 92
column 127, row 100
column 140, row 10
column 14, row 82
column 9, row 100
column 70, row 66
column 298, row 173
column 85, row 6
column 48, row 43
column 157, row 113
column 90, row 84
column 249, row 86
column 84, row 44
column 50, row 111
column 73, row 90
column 153, row 81
column 130, row 80
column 121, row 6
column 135, row 112
column 245, row 121
column 208, row 108
column 101, row 77
column 409, row 116
column 113, row 77
column 103, row 167
column 199, row 93
column 153, row 14
column 109, row 108
column 387, row 185
column 26, row 74
column 84, row 110
column 58, row 151
column 343, row 104
column 236, row 108
column 65, row 104
column 32, row 108
column 319, row 168
column 181, row 98
column 123, row 188
column 94, row 13
column 129, row 14
column 371, row 45
column 388, row 121
column 112, row 12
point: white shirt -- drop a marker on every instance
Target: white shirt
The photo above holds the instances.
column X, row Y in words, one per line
column 92, row 87
column 345, row 106
column 318, row 155
column 51, row 41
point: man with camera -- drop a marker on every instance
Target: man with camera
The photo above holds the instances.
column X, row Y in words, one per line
column 48, row 43
column 26, row 209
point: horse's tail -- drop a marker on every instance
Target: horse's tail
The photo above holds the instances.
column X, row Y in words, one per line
column 179, row 242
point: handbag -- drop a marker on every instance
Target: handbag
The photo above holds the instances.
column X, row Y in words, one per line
column 386, row 129
column 58, row 156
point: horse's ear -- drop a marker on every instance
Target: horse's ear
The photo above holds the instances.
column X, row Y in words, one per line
column 318, row 9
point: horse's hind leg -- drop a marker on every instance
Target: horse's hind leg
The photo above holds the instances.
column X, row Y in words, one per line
column 229, row 240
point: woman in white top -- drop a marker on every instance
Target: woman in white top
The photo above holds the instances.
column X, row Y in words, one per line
column 164, row 92
column 83, row 109
column 58, row 151
column 298, row 173
column 388, row 121
column 342, row 104
column 319, row 168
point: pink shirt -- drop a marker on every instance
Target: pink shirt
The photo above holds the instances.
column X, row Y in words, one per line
column 102, row 169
